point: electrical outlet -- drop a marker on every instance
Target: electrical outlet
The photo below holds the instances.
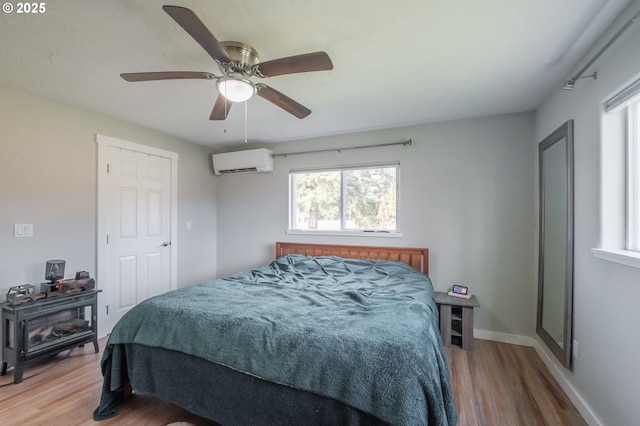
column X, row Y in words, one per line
column 574, row 350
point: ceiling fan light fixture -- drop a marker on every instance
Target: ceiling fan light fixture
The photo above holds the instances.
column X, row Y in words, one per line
column 236, row 89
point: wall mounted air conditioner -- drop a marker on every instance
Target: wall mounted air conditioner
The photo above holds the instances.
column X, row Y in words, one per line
column 248, row 161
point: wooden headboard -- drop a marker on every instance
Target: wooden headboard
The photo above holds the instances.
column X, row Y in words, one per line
column 417, row 258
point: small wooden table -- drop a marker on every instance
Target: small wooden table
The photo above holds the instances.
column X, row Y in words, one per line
column 456, row 319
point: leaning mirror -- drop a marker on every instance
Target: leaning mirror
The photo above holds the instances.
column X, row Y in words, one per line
column 555, row 261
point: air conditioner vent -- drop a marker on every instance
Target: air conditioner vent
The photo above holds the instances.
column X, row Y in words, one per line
column 245, row 170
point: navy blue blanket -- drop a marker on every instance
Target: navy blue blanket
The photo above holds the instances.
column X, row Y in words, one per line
column 358, row 331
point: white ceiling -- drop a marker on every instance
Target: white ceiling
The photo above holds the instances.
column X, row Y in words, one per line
column 396, row 63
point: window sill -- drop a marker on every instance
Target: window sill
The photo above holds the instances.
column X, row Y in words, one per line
column 624, row 257
column 347, row 233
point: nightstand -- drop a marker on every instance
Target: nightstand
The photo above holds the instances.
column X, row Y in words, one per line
column 456, row 319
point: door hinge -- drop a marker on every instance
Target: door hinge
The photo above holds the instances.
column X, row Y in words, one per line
column 107, row 167
column 107, row 309
column 107, row 238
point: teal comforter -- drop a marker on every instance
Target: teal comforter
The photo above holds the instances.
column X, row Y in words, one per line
column 361, row 332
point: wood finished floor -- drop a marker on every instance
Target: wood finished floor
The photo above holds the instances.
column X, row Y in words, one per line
column 503, row 384
column 496, row 384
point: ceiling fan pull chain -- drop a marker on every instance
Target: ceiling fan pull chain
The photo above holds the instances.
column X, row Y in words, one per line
column 225, row 113
column 246, row 108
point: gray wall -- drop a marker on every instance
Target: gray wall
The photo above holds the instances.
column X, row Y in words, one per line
column 605, row 293
column 48, row 155
column 466, row 194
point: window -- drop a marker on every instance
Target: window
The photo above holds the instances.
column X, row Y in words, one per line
column 633, row 176
column 350, row 200
column 620, row 178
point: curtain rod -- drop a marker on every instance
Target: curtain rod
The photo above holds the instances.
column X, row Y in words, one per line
column 408, row 142
column 571, row 82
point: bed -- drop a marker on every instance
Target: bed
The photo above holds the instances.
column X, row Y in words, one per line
column 323, row 335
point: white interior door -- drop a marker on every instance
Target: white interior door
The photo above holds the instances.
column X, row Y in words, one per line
column 137, row 211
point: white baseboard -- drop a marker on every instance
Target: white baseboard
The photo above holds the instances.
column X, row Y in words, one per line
column 514, row 339
column 561, row 375
column 557, row 371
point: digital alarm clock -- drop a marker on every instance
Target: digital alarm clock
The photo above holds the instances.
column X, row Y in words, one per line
column 460, row 289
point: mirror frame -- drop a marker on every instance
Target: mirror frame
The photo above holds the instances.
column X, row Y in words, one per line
column 563, row 353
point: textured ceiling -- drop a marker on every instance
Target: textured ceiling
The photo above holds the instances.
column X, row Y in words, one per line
column 396, row 63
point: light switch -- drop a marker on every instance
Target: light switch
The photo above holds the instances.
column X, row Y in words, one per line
column 188, row 225
column 23, row 230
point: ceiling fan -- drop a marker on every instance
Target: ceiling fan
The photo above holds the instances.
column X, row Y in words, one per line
column 238, row 62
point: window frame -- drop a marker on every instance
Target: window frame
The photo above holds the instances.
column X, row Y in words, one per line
column 633, row 177
column 620, row 232
column 343, row 231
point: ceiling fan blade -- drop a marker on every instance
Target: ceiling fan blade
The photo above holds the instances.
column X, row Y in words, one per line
column 316, row 61
column 194, row 26
column 166, row 75
column 283, row 101
column 220, row 108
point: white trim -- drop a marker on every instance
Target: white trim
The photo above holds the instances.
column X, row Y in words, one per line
column 560, row 374
column 624, row 257
column 132, row 146
column 513, row 339
column 383, row 234
column 342, row 167
column 633, row 176
column 101, row 229
column 557, row 371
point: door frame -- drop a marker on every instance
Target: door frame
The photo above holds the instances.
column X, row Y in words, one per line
column 102, row 264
